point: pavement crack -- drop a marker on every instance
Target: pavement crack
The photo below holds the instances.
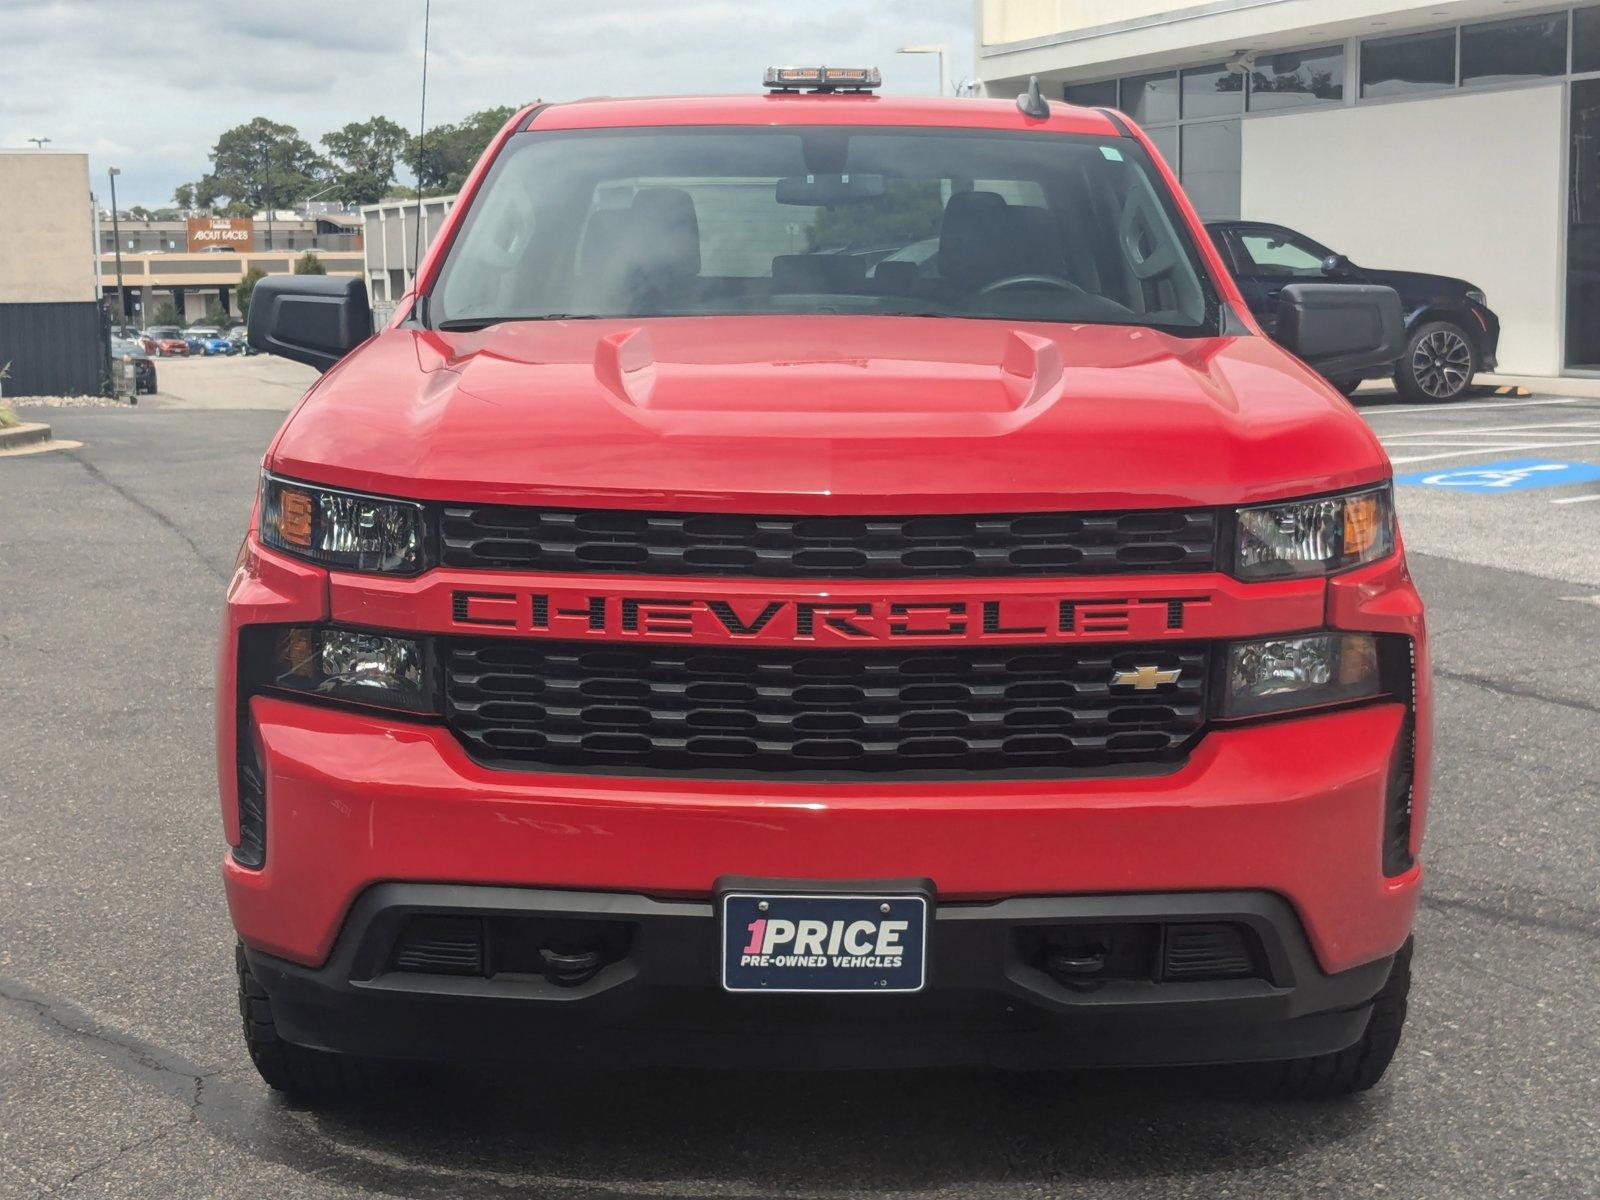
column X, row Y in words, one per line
column 143, row 1143
column 1511, row 690
column 1575, row 921
column 151, row 511
column 176, row 1076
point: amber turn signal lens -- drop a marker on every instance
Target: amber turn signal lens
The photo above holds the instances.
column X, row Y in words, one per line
column 295, row 653
column 294, row 520
column 1363, row 523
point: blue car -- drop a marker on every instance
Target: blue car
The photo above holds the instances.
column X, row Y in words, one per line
column 204, row 339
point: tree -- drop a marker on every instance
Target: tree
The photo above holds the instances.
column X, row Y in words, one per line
column 444, row 156
column 309, row 264
column 363, row 156
column 165, row 314
column 246, row 288
column 140, row 213
column 183, row 197
column 909, row 211
column 258, row 165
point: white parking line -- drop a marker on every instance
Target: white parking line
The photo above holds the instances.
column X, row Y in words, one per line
column 1430, row 410
column 1576, row 499
column 1478, row 430
column 1416, row 458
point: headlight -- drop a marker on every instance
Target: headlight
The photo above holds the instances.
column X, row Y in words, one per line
column 1281, row 674
column 1477, row 297
column 342, row 664
column 342, row 530
column 1313, row 537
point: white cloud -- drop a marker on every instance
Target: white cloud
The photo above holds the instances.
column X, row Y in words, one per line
column 154, row 84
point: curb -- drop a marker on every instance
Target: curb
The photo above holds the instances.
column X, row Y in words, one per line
column 23, row 435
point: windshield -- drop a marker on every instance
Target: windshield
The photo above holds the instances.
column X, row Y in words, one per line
column 826, row 219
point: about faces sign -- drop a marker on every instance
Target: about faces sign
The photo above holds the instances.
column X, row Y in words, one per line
column 222, row 233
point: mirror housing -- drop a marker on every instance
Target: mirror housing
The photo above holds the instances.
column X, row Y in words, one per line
column 1341, row 329
column 1336, row 266
column 314, row 319
column 824, row 191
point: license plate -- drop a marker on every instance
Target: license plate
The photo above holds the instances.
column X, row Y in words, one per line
column 777, row 942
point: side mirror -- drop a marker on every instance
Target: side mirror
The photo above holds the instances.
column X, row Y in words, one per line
column 1341, row 329
column 1336, row 266
column 314, row 319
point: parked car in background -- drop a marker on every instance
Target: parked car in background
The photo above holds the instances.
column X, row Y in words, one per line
column 167, row 340
column 238, row 338
column 1451, row 333
column 207, row 340
column 144, row 379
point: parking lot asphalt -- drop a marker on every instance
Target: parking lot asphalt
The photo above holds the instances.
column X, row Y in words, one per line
column 121, row 1068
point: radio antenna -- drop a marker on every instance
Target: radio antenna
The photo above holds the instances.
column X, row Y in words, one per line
column 422, row 133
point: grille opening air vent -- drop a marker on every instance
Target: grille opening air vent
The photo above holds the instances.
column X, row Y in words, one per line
column 567, row 952
column 620, row 541
column 1209, row 951
column 665, row 708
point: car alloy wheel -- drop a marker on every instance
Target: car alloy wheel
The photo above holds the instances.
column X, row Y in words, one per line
column 1441, row 363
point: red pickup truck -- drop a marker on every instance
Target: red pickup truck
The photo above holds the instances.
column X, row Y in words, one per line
column 823, row 578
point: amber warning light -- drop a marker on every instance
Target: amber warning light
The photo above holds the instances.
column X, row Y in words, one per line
column 823, row 79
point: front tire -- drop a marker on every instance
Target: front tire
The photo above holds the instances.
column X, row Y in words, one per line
column 1438, row 364
column 317, row 1078
column 1358, row 1067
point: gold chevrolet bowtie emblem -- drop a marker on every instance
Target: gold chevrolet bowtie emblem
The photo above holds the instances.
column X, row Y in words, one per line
column 1145, row 679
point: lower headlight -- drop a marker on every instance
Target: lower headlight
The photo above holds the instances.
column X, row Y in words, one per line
column 343, row 664
column 1288, row 673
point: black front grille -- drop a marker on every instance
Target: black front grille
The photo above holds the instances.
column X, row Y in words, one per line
column 621, row 541
column 710, row 711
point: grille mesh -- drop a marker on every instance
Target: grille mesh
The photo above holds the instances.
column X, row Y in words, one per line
column 695, row 711
column 619, row 541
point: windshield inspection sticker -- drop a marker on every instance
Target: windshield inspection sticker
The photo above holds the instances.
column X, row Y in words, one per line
column 1512, row 475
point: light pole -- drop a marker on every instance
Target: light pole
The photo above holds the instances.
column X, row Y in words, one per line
column 938, row 48
column 116, row 233
column 39, row 143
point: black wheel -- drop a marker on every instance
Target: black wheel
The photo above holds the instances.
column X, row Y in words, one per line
column 1438, row 364
column 313, row 1077
column 1358, row 1067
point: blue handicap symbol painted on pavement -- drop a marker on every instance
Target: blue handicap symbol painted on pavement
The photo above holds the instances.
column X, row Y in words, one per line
column 1512, row 475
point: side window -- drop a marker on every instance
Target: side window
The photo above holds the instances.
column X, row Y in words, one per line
column 1277, row 252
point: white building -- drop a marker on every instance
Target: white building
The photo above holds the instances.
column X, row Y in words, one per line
column 1460, row 137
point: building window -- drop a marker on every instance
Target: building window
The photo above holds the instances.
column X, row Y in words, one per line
column 1506, row 51
column 1297, row 79
column 1165, row 138
column 1151, row 99
column 1586, row 39
column 1212, row 92
column 1092, row 95
column 1210, row 173
column 1415, row 62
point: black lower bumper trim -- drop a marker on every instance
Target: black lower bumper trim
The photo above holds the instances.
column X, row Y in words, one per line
column 653, row 997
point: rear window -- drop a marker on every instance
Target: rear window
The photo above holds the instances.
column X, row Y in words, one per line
column 824, row 219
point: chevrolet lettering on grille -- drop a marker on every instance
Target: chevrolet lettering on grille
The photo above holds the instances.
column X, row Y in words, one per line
column 1032, row 618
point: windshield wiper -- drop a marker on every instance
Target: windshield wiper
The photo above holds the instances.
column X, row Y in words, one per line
column 469, row 324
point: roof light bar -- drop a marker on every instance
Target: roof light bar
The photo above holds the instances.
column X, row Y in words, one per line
column 823, row 79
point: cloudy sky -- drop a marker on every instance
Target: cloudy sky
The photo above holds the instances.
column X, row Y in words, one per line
column 147, row 86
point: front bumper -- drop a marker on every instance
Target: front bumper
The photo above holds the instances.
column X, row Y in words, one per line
column 1292, row 808
column 987, row 1001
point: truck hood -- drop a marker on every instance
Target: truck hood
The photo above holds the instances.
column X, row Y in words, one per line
column 825, row 414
